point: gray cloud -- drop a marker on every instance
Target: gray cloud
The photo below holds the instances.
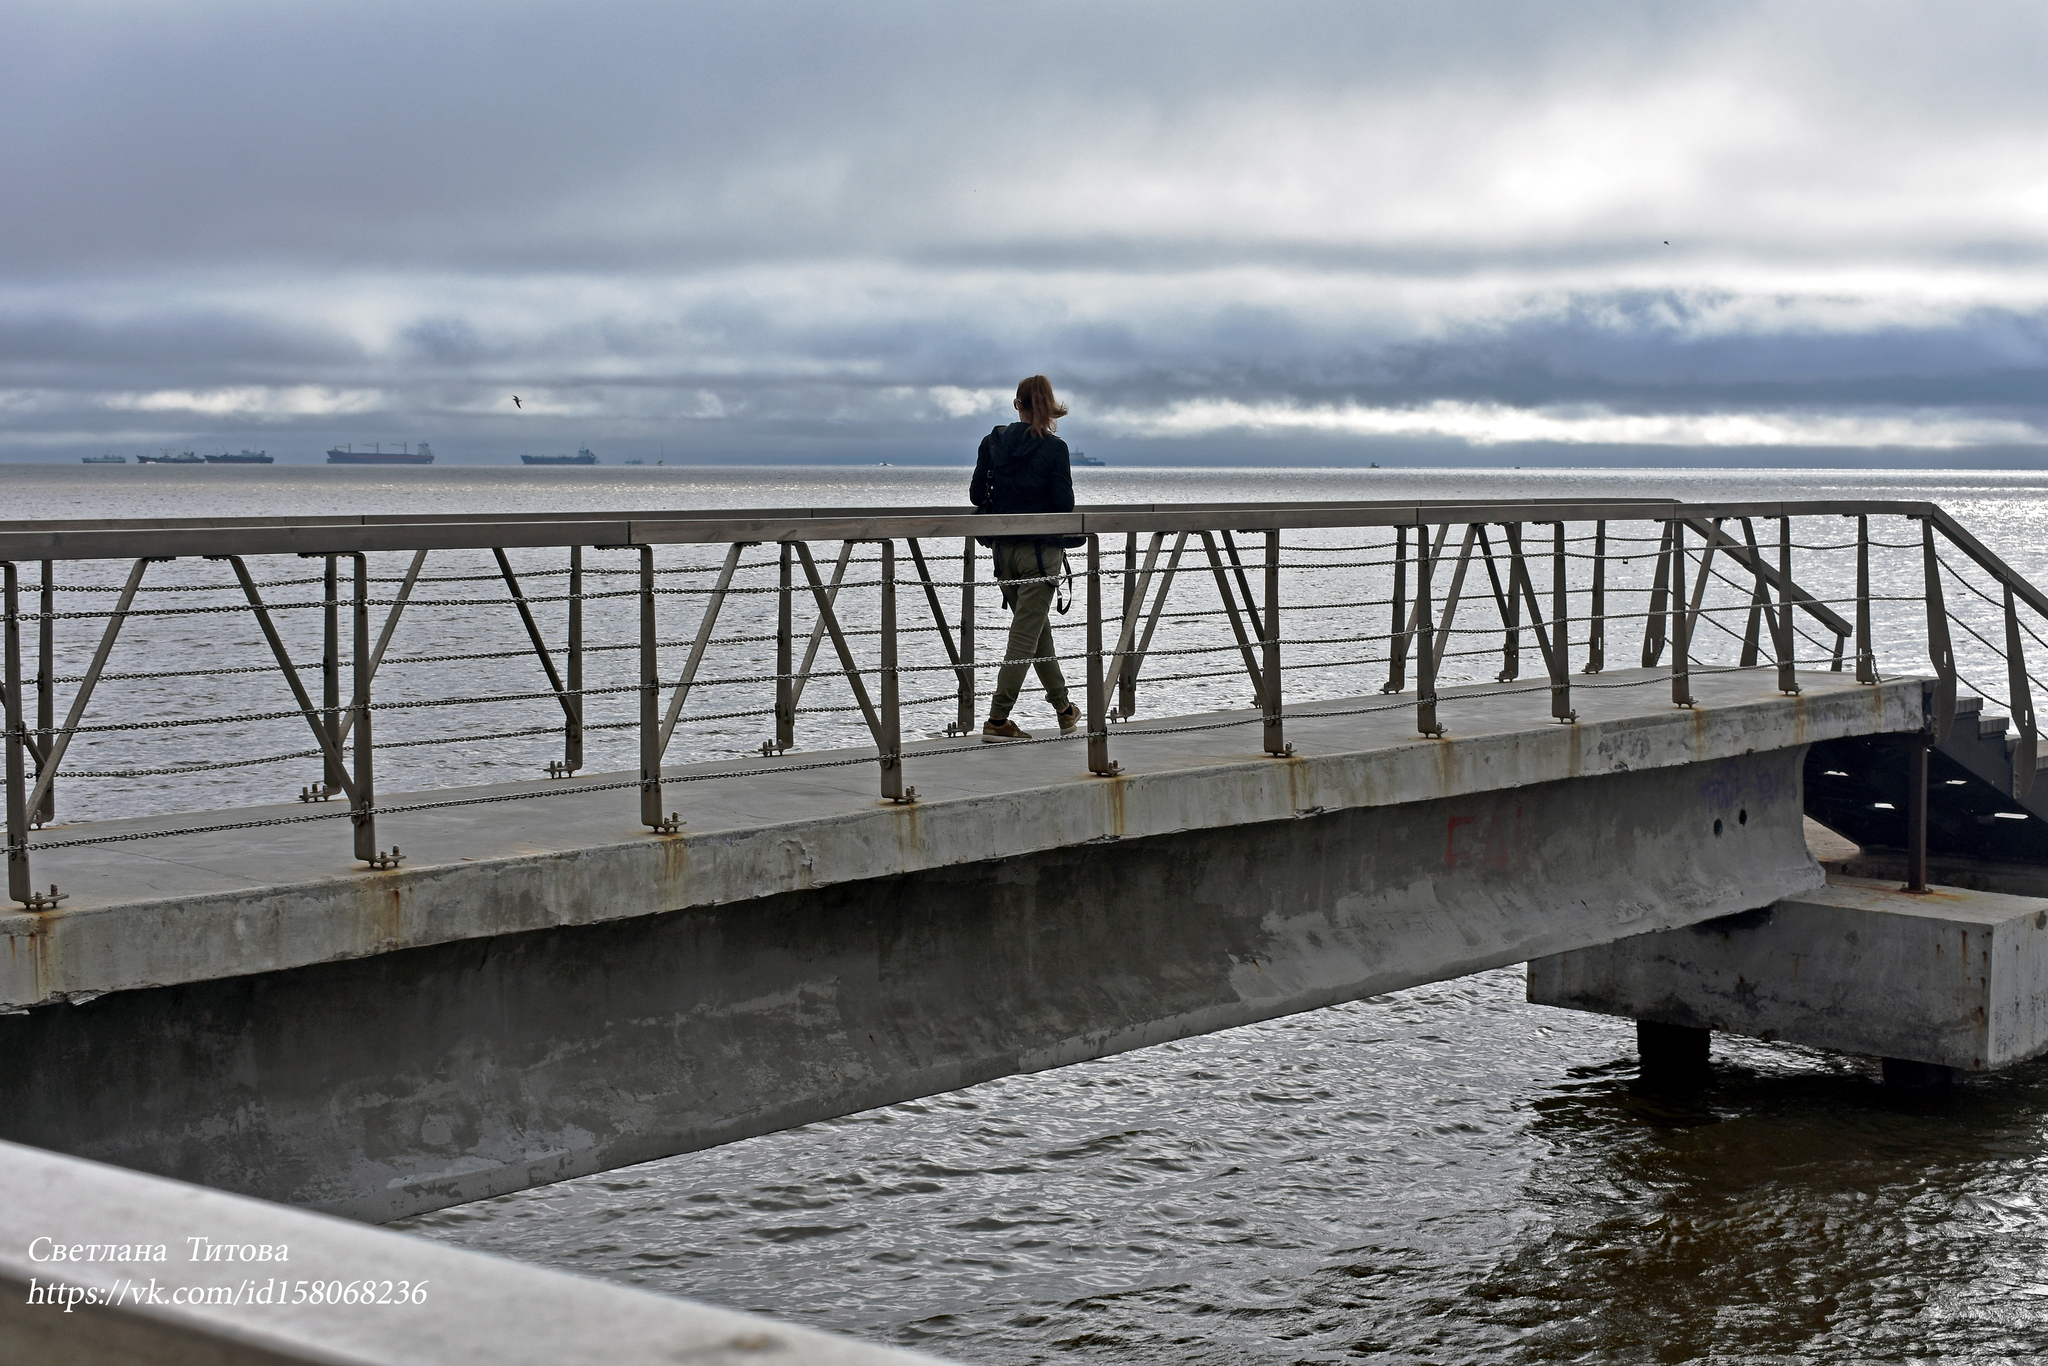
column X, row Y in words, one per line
column 804, row 230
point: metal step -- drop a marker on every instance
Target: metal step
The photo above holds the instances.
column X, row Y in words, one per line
column 1858, row 788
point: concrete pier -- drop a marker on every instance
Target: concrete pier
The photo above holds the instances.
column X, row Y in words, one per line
column 542, row 991
column 1946, row 979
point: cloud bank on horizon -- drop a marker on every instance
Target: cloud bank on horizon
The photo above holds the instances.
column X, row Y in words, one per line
column 801, row 230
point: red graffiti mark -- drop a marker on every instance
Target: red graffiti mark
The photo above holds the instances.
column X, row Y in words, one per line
column 1493, row 842
column 1452, row 858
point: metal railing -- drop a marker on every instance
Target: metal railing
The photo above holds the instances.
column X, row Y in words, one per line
column 1285, row 598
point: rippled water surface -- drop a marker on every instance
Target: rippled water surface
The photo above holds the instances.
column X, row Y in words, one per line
column 1447, row 1174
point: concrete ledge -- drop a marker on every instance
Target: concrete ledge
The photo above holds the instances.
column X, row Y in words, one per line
column 189, row 908
column 1975, row 875
column 451, row 1305
column 1951, row 978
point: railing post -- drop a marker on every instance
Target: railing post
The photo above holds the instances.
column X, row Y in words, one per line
column 1681, row 625
column 17, row 766
column 1425, row 641
column 2020, row 702
column 966, row 715
column 1276, row 738
column 1596, row 608
column 892, row 716
column 1866, row 656
column 1397, row 637
column 1098, row 691
column 572, row 737
column 1511, row 628
column 1560, row 636
column 651, row 814
column 364, row 814
column 46, row 687
column 1127, row 676
column 785, row 655
column 330, row 677
column 1783, row 635
column 1939, row 651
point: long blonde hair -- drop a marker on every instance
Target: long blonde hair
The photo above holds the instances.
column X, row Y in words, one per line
column 1036, row 405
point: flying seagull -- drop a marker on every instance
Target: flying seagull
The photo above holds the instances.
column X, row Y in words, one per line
column 517, row 404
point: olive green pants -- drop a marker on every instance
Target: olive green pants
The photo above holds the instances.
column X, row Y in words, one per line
column 1030, row 633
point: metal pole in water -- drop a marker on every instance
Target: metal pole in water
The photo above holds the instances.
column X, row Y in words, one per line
column 1916, row 813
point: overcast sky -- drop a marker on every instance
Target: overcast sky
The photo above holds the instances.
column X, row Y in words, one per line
column 829, row 231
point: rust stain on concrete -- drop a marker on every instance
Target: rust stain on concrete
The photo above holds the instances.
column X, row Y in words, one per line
column 1301, row 783
column 675, row 867
column 1446, row 768
column 909, row 836
column 380, row 909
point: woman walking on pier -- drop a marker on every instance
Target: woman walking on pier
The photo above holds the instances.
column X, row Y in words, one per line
column 1023, row 468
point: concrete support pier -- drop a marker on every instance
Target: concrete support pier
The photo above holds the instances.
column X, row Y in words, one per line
column 1672, row 1054
column 1946, row 981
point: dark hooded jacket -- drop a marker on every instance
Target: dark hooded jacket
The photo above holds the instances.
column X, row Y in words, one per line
column 1018, row 472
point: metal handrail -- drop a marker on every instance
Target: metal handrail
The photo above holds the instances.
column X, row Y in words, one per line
column 1692, row 540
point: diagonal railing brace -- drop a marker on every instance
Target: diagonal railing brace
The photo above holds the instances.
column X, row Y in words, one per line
column 323, row 735
column 697, row 646
column 831, row 625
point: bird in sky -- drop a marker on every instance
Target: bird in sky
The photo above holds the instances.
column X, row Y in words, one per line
column 1666, row 244
column 517, row 404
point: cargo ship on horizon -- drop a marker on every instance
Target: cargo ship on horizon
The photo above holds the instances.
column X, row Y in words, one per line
column 377, row 455
column 582, row 457
column 247, row 457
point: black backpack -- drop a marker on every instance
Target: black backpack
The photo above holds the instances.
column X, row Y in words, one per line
column 988, row 542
